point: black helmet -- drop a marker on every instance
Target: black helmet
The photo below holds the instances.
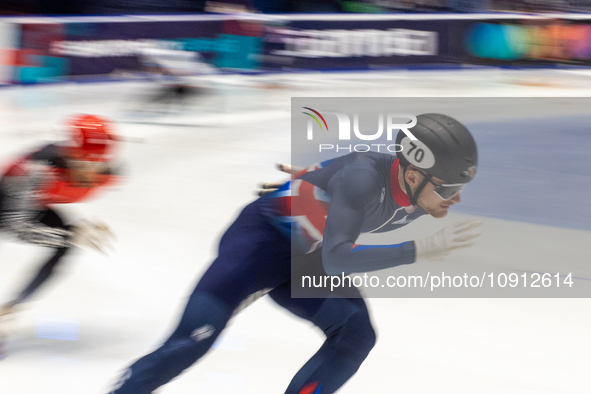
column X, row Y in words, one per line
column 444, row 149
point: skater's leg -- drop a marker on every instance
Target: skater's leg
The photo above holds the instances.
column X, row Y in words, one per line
column 49, row 218
column 252, row 256
column 204, row 318
column 349, row 339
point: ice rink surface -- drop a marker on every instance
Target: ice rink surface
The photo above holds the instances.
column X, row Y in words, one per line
column 190, row 171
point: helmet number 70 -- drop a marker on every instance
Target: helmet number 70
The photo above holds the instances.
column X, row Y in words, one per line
column 419, row 154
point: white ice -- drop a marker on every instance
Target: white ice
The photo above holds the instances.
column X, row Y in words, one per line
column 188, row 177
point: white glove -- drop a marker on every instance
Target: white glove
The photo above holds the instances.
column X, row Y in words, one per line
column 92, row 235
column 456, row 236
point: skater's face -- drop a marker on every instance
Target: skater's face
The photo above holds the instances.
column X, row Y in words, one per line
column 84, row 173
column 429, row 199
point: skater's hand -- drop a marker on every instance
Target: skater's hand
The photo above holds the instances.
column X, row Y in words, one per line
column 92, row 235
column 456, row 236
column 269, row 187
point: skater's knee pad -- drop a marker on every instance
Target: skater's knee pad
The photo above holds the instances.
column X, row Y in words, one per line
column 205, row 316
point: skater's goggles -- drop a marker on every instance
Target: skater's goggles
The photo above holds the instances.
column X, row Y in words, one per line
column 445, row 191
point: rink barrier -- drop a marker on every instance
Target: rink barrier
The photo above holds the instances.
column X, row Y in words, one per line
column 91, row 48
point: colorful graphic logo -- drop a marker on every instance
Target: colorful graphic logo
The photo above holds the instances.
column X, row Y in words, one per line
column 315, row 118
column 386, row 122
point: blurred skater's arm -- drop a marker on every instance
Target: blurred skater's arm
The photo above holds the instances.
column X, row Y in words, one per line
column 269, row 187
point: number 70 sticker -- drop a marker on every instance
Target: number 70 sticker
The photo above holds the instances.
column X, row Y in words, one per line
column 417, row 153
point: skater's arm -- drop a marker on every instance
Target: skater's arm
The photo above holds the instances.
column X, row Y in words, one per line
column 358, row 190
column 21, row 210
